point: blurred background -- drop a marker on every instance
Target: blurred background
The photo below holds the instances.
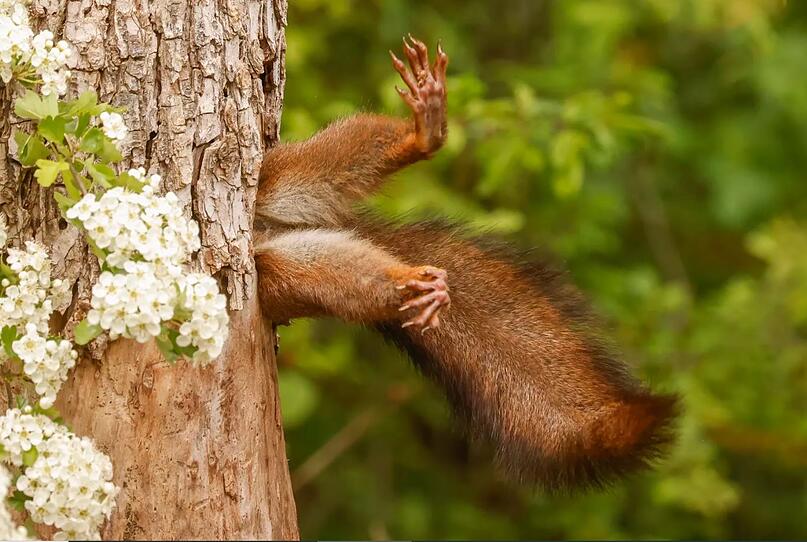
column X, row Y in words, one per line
column 659, row 149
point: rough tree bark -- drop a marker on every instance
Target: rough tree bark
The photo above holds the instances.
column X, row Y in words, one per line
column 199, row 453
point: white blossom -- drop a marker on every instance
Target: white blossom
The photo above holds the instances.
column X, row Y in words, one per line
column 20, row 48
column 134, row 303
column 15, row 36
column 148, row 241
column 206, row 329
column 27, row 306
column 113, row 126
column 8, row 531
column 69, row 483
column 46, row 362
column 50, row 60
column 35, row 295
column 19, row 432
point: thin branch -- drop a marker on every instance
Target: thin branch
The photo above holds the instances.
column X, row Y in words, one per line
column 653, row 216
column 336, row 446
column 342, row 441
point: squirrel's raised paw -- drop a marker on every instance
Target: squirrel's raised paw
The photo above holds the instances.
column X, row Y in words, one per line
column 426, row 94
column 431, row 297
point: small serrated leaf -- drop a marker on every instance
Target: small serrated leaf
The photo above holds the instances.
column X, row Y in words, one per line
column 166, row 346
column 77, row 125
column 92, row 141
column 48, row 170
column 128, row 182
column 17, row 500
column 30, row 148
column 51, row 103
column 73, row 191
column 63, row 201
column 30, row 106
column 109, row 152
column 85, row 332
column 52, row 129
column 9, row 335
column 100, row 173
column 29, row 457
column 85, row 103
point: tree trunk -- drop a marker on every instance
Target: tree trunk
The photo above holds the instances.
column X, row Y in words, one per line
column 198, row 453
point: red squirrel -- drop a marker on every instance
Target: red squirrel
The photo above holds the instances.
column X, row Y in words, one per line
column 509, row 342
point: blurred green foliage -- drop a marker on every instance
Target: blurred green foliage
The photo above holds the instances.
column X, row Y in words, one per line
column 659, row 147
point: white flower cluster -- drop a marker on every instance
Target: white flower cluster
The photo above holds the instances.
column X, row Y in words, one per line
column 69, row 484
column 113, row 126
column 147, row 241
column 49, row 59
column 138, row 226
column 8, row 531
column 34, row 296
column 15, row 36
column 45, row 361
column 27, row 305
column 207, row 327
column 19, row 46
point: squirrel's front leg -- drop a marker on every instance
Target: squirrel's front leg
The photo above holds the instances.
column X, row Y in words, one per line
column 316, row 182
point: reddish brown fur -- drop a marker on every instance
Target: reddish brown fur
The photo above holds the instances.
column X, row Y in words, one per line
column 519, row 361
column 515, row 353
column 349, row 165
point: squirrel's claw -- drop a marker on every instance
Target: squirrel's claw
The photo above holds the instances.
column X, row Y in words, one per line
column 431, row 303
column 426, row 96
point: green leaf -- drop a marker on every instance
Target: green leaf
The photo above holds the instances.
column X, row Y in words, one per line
column 166, row 346
column 567, row 147
column 17, row 500
column 109, row 152
column 9, row 335
column 52, row 129
column 128, row 182
column 87, row 104
column 186, row 351
column 99, row 252
column 52, row 413
column 85, row 332
column 51, row 102
column 33, row 107
column 84, row 104
column 31, row 148
column 63, row 201
column 7, row 272
column 100, row 173
column 73, row 191
column 29, row 457
column 92, row 141
column 78, row 125
column 48, row 170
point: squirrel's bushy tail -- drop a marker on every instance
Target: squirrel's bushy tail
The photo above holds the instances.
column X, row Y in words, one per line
column 522, row 367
